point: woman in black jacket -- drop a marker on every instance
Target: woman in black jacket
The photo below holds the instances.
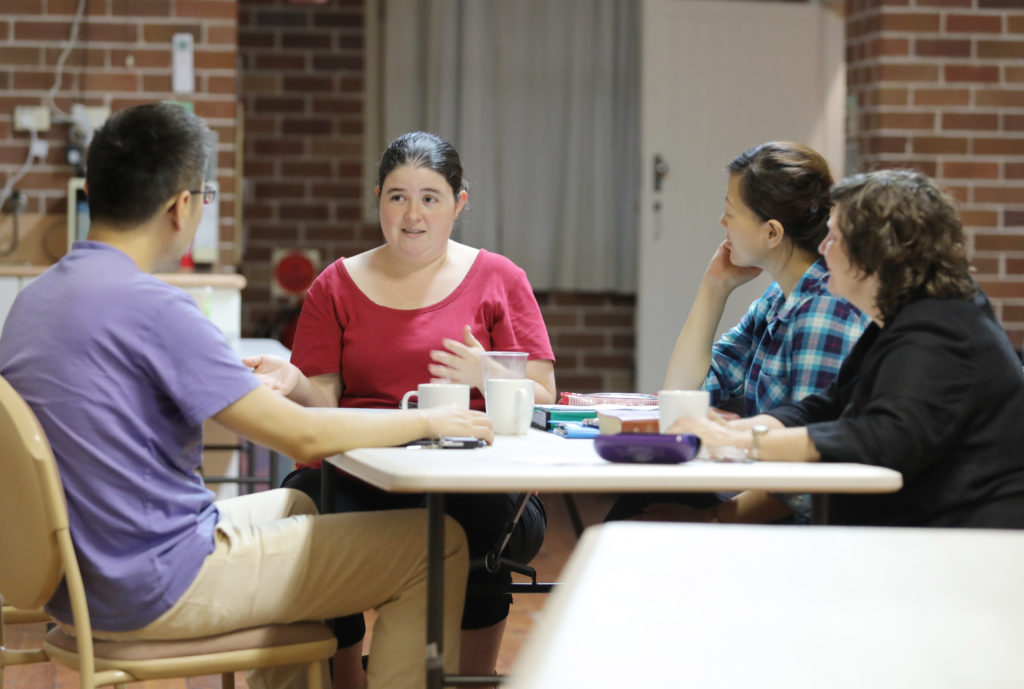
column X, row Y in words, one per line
column 933, row 389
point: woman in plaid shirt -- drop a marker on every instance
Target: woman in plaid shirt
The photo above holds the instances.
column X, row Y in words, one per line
column 791, row 341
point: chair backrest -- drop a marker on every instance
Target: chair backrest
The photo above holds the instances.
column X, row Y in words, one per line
column 32, row 507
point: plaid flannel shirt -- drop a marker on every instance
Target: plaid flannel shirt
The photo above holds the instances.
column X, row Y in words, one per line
column 785, row 348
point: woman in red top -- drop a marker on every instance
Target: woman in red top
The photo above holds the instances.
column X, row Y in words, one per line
column 420, row 307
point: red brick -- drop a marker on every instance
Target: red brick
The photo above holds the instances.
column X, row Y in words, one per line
column 223, row 85
column 279, row 104
column 985, row 265
column 970, row 170
column 93, row 8
column 938, row 144
column 908, row 72
column 1013, row 170
column 1015, row 23
column 1000, row 49
column 960, row 120
column 255, row 39
column 330, row 63
column 943, row 3
column 1013, row 218
column 307, row 169
column 215, row 108
column 942, row 47
column 222, row 35
column 214, row 59
column 999, row 4
column 206, row 9
column 884, row 96
column 307, row 84
column 141, row 58
column 1013, row 313
column 156, row 83
column 338, row 106
column 906, row 120
column 998, row 242
column 105, row 82
column 999, row 146
column 33, row 81
column 281, row 61
column 5, row 83
column 271, row 190
column 14, row 7
column 979, row 218
column 1008, row 289
column 304, row 211
column 1011, row 98
column 306, row 125
column 20, row 56
column 942, row 97
column 78, row 57
column 1013, row 123
column 971, row 73
column 910, row 21
column 886, row 144
column 141, row 8
column 973, row 23
column 5, row 30
column 1009, row 195
column 1013, row 73
column 105, row 32
column 305, row 40
column 41, row 31
column 280, row 147
column 163, row 33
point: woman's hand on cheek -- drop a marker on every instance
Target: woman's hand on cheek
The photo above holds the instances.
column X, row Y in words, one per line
column 458, row 362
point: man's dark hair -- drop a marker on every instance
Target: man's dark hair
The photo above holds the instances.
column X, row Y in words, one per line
column 140, row 158
column 898, row 225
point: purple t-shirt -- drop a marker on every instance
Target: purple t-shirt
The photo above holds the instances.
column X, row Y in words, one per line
column 122, row 369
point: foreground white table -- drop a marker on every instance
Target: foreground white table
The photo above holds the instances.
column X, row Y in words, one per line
column 543, row 461
column 716, row 607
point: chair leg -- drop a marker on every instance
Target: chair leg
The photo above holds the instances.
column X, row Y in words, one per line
column 227, row 680
column 314, row 674
column 574, row 514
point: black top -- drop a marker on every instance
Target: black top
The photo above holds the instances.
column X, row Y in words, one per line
column 938, row 395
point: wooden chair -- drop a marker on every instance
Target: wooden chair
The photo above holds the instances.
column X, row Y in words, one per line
column 19, row 656
column 37, row 552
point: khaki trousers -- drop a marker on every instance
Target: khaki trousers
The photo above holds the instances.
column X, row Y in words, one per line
column 276, row 560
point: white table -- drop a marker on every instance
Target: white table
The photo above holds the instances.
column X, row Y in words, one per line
column 546, row 462
column 725, row 606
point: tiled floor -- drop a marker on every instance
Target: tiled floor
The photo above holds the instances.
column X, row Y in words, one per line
column 527, row 608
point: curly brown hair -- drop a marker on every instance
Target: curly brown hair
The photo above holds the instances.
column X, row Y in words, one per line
column 898, row 225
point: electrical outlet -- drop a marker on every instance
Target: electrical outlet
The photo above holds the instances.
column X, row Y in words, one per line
column 31, row 117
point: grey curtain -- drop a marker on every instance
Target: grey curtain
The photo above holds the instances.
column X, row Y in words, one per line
column 541, row 99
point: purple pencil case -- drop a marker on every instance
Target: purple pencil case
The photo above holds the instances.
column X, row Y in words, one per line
column 647, row 448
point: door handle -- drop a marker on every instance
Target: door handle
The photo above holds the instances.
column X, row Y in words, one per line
column 660, row 171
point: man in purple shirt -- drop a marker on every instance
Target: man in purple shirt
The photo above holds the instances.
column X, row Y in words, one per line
column 122, row 370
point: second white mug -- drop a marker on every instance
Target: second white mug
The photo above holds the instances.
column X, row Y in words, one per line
column 431, row 395
column 680, row 404
column 510, row 405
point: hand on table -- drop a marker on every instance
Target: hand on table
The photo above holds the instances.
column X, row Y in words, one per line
column 720, row 440
column 449, row 421
column 274, row 372
column 458, row 362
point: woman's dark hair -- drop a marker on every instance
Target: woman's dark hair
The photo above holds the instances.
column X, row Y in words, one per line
column 140, row 158
column 787, row 182
column 421, row 149
column 898, row 225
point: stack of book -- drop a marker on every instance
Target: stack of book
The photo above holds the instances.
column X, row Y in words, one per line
column 612, row 421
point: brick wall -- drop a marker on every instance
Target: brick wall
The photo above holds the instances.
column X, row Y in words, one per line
column 122, row 57
column 940, row 87
column 301, row 81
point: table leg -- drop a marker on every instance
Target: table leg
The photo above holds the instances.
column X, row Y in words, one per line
column 435, row 591
column 819, row 509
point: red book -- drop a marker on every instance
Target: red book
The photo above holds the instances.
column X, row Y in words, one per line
column 615, row 421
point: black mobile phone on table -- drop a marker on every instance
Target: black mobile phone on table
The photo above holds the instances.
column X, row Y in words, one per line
column 449, row 443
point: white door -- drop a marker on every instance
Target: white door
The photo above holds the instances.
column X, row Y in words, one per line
column 720, row 77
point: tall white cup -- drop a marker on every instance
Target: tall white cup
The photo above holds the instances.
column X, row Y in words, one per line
column 438, row 394
column 510, row 405
column 502, row 365
column 681, row 404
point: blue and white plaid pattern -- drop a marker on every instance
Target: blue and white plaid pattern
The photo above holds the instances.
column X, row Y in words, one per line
column 784, row 349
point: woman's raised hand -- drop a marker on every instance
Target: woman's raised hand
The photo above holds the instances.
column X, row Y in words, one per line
column 458, row 362
column 274, row 372
column 722, row 271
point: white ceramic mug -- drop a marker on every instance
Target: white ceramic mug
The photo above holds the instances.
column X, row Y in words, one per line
column 438, row 394
column 510, row 405
column 681, row 404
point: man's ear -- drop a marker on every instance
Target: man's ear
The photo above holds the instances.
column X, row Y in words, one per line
column 180, row 209
column 775, row 233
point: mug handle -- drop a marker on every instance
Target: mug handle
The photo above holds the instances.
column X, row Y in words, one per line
column 406, row 396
